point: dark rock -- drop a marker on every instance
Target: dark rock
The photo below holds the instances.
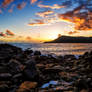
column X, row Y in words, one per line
column 5, row 76
column 30, row 72
column 4, row 88
column 8, row 51
column 28, row 51
column 69, row 57
column 81, row 85
column 37, row 53
column 15, row 66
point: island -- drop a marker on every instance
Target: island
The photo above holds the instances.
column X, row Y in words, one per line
column 71, row 39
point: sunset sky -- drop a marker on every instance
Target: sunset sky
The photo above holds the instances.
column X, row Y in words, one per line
column 43, row 20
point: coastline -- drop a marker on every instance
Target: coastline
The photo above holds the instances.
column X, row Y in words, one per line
column 28, row 70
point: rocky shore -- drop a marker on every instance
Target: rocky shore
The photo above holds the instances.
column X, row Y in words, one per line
column 30, row 71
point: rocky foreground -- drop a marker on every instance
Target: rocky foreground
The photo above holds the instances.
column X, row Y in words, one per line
column 29, row 71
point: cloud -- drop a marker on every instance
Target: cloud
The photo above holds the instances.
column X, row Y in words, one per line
column 32, row 1
column 0, row 11
column 6, row 2
column 38, row 22
column 82, row 20
column 9, row 33
column 28, row 38
column 11, row 9
column 21, row 6
column 2, row 34
column 73, row 32
column 44, row 13
column 55, row 6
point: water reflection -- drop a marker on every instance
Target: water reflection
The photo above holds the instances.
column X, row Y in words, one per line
column 58, row 48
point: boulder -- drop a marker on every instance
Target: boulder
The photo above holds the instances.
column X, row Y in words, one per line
column 27, row 86
column 37, row 53
column 8, row 51
column 30, row 72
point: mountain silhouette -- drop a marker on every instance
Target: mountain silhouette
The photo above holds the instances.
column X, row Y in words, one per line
column 71, row 39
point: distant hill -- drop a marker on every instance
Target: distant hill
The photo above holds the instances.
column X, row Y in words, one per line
column 71, row 39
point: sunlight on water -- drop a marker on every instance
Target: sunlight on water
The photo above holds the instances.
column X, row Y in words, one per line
column 57, row 48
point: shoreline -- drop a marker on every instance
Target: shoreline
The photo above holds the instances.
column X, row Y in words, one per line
column 30, row 71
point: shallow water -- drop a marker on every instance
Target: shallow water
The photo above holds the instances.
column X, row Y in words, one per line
column 57, row 48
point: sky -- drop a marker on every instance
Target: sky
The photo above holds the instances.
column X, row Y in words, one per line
column 44, row 20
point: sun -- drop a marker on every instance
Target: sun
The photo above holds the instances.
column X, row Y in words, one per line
column 53, row 35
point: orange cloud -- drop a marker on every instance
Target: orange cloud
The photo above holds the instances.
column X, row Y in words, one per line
column 73, row 32
column 44, row 13
column 6, row 2
column 28, row 38
column 55, row 6
column 32, row 1
column 82, row 20
column 21, row 6
column 37, row 22
column 8, row 32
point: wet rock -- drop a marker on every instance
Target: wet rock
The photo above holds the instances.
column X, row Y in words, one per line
column 37, row 53
column 49, row 84
column 27, row 86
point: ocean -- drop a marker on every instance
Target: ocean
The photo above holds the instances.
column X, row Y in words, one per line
column 57, row 48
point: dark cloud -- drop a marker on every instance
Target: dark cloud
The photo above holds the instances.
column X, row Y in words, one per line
column 9, row 33
column 2, row 34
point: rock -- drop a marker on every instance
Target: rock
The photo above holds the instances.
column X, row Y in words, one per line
column 17, row 78
column 69, row 57
column 52, row 70
column 8, row 51
column 84, row 90
column 81, row 85
column 85, row 54
column 5, row 76
column 27, row 86
column 51, row 83
column 37, row 53
column 28, row 51
column 5, row 73
column 40, row 66
column 15, row 66
column 30, row 72
column 4, row 88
